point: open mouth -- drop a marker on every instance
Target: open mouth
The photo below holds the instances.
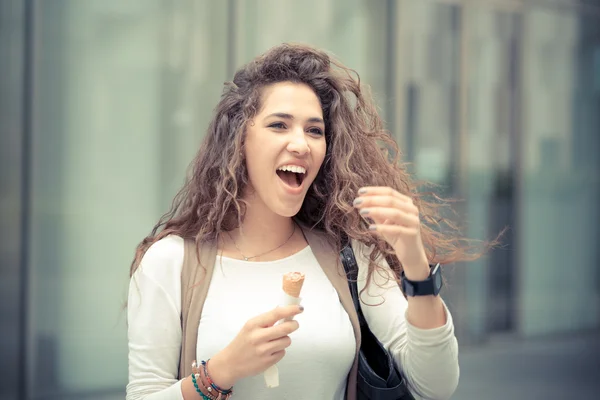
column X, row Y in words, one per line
column 293, row 177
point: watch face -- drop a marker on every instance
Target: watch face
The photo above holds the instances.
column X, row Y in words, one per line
column 437, row 281
column 437, row 277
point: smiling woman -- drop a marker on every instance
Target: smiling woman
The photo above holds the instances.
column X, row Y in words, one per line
column 291, row 171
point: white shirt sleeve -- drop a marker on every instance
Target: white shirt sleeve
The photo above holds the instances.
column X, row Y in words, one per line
column 154, row 325
column 428, row 358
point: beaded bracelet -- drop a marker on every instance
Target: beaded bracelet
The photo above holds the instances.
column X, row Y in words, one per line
column 202, row 388
column 204, row 397
column 200, row 378
column 210, row 381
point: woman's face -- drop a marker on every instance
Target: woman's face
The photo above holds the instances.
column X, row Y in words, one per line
column 285, row 147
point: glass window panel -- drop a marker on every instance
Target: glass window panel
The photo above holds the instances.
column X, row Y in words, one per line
column 124, row 92
column 12, row 172
column 491, row 63
column 560, row 185
column 430, row 44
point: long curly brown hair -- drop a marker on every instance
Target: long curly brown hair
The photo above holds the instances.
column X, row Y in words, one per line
column 359, row 153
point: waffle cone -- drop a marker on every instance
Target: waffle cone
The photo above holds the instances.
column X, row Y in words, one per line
column 292, row 283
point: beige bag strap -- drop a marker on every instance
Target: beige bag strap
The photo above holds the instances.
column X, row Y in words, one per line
column 195, row 280
column 331, row 263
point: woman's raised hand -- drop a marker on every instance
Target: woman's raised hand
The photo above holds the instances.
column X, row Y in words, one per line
column 395, row 218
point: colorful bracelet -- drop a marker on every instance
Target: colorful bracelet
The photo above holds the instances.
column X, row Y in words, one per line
column 204, row 397
column 210, row 381
column 206, row 386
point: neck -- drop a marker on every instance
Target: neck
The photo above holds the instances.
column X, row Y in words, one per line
column 261, row 230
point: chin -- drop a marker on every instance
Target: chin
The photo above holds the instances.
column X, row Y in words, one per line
column 288, row 211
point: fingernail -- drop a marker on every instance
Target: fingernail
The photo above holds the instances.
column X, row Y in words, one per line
column 357, row 201
column 301, row 308
column 372, row 227
column 364, row 211
column 362, row 191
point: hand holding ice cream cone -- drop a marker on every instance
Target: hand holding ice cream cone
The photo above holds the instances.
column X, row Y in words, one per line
column 260, row 344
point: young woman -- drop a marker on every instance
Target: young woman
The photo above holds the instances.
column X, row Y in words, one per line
column 295, row 146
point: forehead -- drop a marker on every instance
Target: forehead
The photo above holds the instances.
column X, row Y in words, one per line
column 291, row 98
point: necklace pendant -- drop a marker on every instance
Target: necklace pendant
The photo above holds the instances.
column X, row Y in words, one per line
column 246, row 258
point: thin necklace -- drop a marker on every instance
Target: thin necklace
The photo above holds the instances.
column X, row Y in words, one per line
column 246, row 258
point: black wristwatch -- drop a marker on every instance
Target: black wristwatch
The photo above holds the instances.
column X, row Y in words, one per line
column 430, row 286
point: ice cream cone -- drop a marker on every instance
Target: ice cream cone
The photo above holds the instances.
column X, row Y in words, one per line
column 292, row 283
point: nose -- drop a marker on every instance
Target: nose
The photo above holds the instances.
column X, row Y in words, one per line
column 298, row 143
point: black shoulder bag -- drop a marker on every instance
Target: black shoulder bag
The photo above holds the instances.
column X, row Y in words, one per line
column 378, row 377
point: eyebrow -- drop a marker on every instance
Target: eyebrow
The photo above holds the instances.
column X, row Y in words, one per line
column 291, row 117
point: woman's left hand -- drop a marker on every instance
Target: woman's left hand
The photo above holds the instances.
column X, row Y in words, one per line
column 395, row 218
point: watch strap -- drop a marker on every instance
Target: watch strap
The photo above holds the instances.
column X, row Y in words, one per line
column 430, row 286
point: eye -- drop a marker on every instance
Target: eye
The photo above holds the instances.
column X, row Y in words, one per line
column 277, row 125
column 316, row 131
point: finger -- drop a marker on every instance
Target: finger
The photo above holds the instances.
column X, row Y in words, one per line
column 393, row 230
column 277, row 356
column 383, row 191
column 385, row 201
column 275, row 346
column 278, row 331
column 390, row 216
column 270, row 318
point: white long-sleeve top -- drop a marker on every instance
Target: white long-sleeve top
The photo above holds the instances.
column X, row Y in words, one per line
column 316, row 364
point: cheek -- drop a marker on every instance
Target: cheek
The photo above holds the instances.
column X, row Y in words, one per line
column 250, row 164
column 257, row 166
column 253, row 170
column 319, row 152
column 252, row 154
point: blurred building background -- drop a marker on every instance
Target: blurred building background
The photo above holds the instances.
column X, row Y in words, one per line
column 104, row 102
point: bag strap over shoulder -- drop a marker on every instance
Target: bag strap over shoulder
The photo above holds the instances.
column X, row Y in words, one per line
column 196, row 274
column 331, row 263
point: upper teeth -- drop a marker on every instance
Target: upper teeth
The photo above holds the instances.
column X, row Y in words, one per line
column 293, row 168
